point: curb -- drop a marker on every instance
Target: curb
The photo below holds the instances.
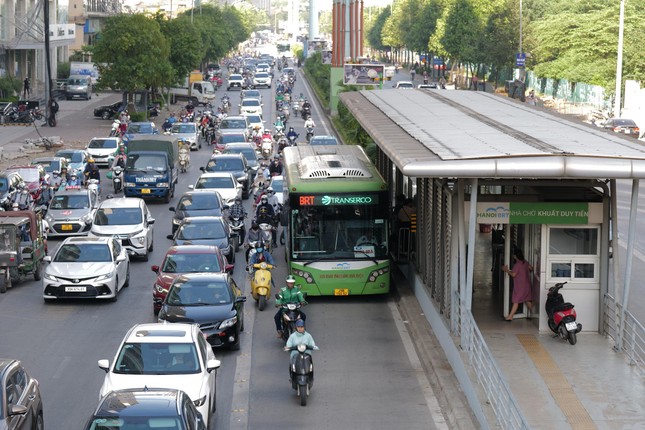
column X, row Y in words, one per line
column 435, row 363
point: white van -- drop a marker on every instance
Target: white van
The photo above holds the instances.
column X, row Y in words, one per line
column 79, row 86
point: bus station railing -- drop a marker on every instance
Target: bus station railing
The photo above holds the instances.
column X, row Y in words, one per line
column 633, row 344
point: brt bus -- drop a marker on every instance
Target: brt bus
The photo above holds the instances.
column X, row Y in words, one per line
column 337, row 234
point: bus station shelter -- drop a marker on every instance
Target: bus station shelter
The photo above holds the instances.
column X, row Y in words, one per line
column 543, row 183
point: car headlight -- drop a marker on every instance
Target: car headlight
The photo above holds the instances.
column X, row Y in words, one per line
column 199, row 402
column 162, row 185
column 141, row 240
column 49, row 218
column 105, row 277
column 160, row 289
column 50, row 277
column 228, row 323
column 130, row 184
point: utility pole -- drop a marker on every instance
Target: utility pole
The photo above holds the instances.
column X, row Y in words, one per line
column 619, row 61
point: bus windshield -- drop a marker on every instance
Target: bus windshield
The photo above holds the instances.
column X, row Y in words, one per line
column 340, row 232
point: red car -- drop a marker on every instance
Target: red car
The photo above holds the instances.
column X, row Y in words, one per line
column 33, row 177
column 186, row 259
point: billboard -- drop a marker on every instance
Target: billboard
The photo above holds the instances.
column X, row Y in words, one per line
column 362, row 74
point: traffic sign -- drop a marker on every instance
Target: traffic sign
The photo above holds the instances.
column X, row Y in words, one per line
column 520, row 59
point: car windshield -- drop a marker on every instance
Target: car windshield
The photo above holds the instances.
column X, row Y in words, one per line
column 198, row 202
column 183, row 128
column 225, row 165
column 158, row 358
column 102, row 144
column 276, row 184
column 74, row 81
column 254, row 119
column 191, row 263
column 135, row 423
column 233, row 123
column 252, row 94
column 146, row 162
column 249, row 154
column 118, row 216
column 78, row 201
column 201, row 230
column 198, row 293
column 223, row 182
column 73, row 157
column 28, row 175
column 250, row 102
column 627, row 122
column 83, row 253
column 140, row 128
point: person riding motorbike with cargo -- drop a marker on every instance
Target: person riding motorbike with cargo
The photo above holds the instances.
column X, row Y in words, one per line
column 288, row 294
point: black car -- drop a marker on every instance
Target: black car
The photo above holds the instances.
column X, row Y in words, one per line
column 21, row 406
column 623, row 126
column 206, row 230
column 197, row 203
column 149, row 408
column 108, row 111
column 236, row 164
column 212, row 300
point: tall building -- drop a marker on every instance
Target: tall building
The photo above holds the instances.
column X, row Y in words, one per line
column 22, row 41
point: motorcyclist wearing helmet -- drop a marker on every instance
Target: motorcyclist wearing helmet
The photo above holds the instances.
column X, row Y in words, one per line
column 306, row 105
column 264, row 213
column 74, row 180
column 292, row 135
column 237, row 211
column 309, row 123
column 299, row 337
column 120, row 157
column 88, row 168
column 254, row 235
column 261, row 255
column 46, row 195
column 288, row 294
column 21, row 198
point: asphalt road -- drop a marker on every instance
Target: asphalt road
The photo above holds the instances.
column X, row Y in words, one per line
column 364, row 378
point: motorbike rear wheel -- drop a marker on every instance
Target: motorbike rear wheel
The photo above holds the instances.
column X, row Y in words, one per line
column 262, row 302
column 572, row 338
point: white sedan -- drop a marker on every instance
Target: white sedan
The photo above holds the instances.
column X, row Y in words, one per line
column 87, row 267
column 222, row 182
column 251, row 107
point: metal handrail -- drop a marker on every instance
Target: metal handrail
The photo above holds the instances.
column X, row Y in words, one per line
column 490, row 377
column 633, row 332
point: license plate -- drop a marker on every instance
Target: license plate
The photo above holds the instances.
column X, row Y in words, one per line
column 75, row 289
column 571, row 326
column 341, row 292
column 66, row 227
column 145, row 191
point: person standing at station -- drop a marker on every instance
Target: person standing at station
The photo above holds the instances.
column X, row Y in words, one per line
column 521, row 274
column 26, row 88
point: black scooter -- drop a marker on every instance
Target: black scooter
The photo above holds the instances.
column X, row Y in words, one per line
column 290, row 314
column 301, row 372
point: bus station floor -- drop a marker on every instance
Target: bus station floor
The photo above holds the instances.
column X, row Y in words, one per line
column 555, row 384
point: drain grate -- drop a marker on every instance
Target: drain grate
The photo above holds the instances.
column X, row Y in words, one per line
column 561, row 390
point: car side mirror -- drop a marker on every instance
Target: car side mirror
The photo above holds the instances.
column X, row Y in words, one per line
column 212, row 365
column 47, row 259
column 203, row 169
column 240, row 299
column 229, row 268
column 170, row 236
column 191, row 187
column 121, row 258
column 172, row 209
column 155, row 268
column 104, row 364
column 151, row 221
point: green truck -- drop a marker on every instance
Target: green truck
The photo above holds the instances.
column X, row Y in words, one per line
column 151, row 170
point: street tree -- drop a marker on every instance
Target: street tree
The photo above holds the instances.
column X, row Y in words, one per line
column 186, row 46
column 132, row 54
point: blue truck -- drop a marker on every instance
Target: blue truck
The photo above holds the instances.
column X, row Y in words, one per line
column 152, row 167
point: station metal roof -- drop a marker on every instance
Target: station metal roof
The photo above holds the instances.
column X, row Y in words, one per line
column 440, row 133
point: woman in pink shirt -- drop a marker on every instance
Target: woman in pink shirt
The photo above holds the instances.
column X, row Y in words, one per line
column 521, row 275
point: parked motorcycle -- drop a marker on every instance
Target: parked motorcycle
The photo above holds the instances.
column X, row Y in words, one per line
column 562, row 316
column 301, row 371
column 261, row 283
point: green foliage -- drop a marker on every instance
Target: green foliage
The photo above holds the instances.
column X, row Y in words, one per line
column 62, row 70
column 351, row 130
column 319, row 76
column 137, row 116
column 186, row 46
column 9, row 86
column 463, row 30
column 374, row 34
column 132, row 53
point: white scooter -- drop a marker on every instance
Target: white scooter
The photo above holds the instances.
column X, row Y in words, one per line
column 267, row 148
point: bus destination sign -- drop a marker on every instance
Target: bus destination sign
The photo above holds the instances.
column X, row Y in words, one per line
column 338, row 199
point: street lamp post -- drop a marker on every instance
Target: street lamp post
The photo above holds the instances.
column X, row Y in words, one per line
column 619, row 60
